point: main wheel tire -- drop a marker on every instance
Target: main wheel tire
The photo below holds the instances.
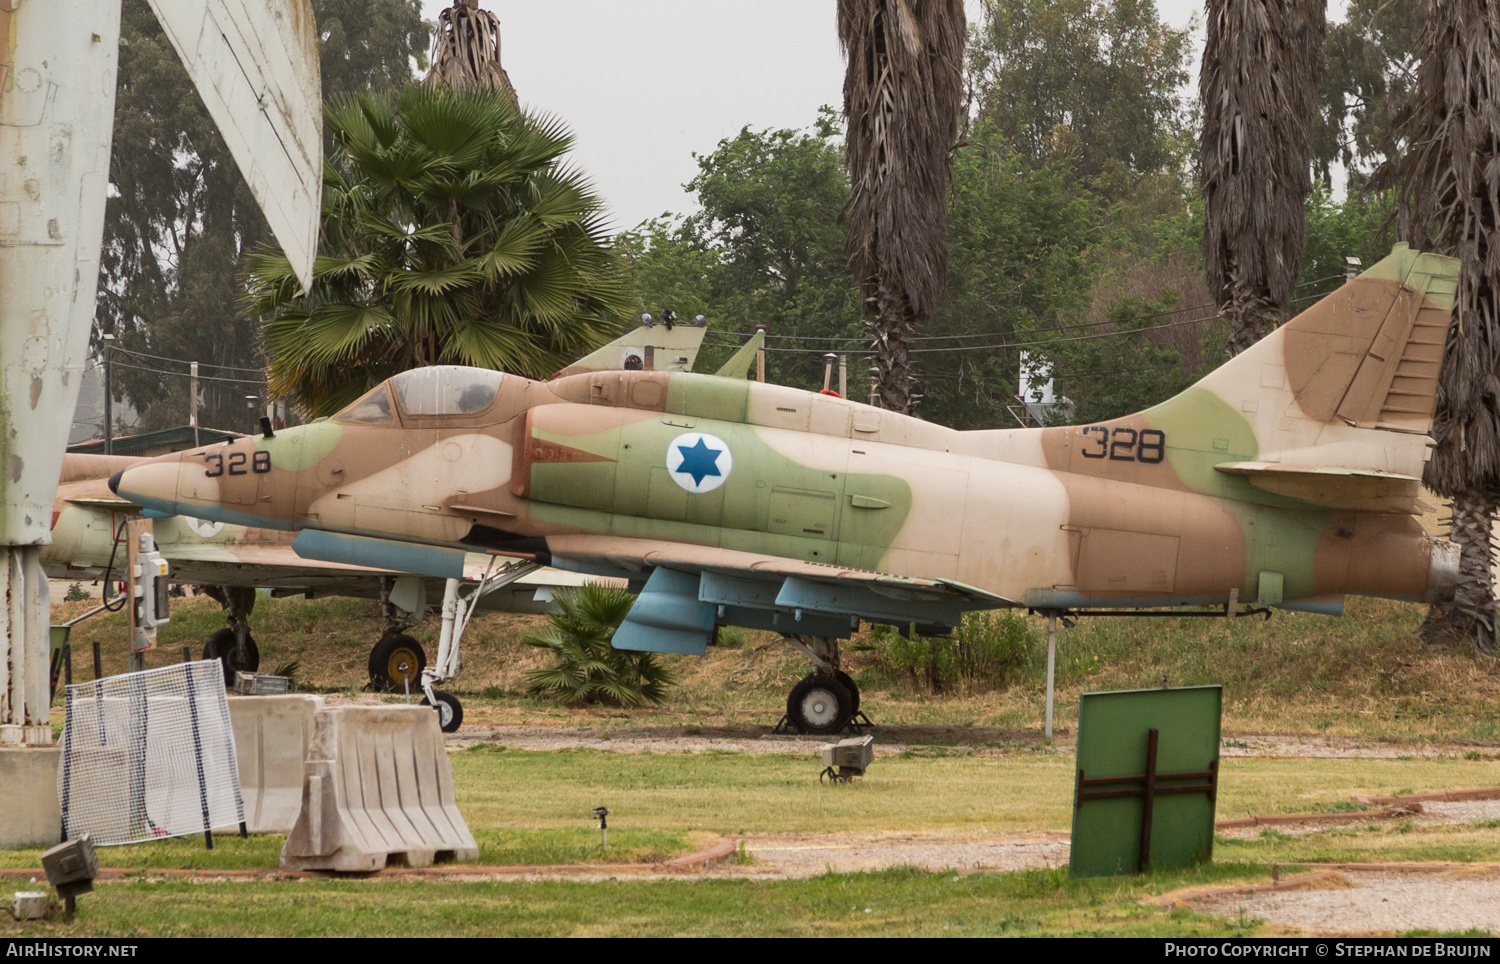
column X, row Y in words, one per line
column 220, row 646
column 852, row 687
column 450, row 711
column 387, row 658
column 819, row 704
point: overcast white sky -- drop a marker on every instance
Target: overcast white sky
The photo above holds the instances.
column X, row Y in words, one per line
column 644, row 84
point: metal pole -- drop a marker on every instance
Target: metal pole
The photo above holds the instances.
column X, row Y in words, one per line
column 760, row 358
column 109, row 398
column 193, row 401
column 1051, row 666
column 843, row 376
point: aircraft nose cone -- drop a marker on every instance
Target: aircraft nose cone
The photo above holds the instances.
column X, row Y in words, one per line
column 114, row 481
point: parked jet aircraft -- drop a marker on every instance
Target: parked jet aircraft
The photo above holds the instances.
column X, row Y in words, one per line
column 1287, row 477
column 232, row 561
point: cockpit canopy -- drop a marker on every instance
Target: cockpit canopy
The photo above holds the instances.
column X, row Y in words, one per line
column 437, row 390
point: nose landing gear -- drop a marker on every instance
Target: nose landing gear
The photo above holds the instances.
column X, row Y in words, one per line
column 233, row 645
column 457, row 609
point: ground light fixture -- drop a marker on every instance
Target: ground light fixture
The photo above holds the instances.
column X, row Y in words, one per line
column 603, row 814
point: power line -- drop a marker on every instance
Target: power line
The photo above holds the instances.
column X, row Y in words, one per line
column 988, row 334
column 1002, row 346
column 204, row 378
column 179, row 361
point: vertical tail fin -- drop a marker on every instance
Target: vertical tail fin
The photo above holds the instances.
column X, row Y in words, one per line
column 674, row 349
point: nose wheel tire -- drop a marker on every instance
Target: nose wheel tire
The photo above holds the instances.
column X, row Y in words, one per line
column 220, row 646
column 819, row 704
column 396, row 662
column 450, row 710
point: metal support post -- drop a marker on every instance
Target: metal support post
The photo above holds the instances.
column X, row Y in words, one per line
column 1051, row 666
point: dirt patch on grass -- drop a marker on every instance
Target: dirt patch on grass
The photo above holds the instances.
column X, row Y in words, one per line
column 805, row 855
column 1376, row 903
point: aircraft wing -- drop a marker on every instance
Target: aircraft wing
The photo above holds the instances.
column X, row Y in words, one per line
column 686, row 590
column 255, row 63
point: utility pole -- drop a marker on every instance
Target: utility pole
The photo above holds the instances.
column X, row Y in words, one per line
column 109, row 396
column 250, row 401
column 193, row 401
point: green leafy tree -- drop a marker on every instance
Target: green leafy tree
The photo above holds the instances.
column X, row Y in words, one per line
column 1371, row 60
column 1092, row 81
column 453, row 233
column 763, row 248
column 180, row 219
column 588, row 669
column 1020, row 264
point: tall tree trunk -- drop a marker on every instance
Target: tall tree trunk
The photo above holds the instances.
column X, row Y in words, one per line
column 1470, row 615
column 1262, row 63
column 902, row 88
column 466, row 51
column 1450, row 201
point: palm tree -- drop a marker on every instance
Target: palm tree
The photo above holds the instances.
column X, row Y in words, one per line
column 588, row 668
column 1262, row 64
column 902, row 88
column 1450, row 203
column 466, row 51
column 452, row 234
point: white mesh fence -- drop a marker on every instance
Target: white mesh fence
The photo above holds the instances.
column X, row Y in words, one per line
column 148, row 755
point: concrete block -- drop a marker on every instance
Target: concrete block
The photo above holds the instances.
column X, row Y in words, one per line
column 271, row 736
column 29, row 812
column 29, row 905
column 378, row 786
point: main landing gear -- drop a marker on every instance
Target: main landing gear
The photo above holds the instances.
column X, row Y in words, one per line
column 825, row 700
column 397, row 660
column 457, row 609
column 233, row 646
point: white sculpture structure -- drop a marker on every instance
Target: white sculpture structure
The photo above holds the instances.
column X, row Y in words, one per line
column 255, row 64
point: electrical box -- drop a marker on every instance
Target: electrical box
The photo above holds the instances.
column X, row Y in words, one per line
column 147, row 581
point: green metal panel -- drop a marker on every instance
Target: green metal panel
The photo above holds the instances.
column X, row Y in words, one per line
column 1113, row 733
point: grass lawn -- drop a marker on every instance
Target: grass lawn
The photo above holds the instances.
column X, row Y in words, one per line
column 1362, row 674
column 890, row 903
column 532, row 807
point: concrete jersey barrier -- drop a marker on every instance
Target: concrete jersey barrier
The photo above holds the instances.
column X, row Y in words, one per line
column 271, row 737
column 378, row 785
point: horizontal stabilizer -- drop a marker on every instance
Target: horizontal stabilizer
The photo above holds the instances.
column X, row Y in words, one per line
column 739, row 363
column 1361, row 490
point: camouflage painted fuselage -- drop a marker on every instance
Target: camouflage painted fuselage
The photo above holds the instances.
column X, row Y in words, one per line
column 1288, row 476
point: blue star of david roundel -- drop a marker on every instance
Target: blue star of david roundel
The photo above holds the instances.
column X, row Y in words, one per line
column 699, row 462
